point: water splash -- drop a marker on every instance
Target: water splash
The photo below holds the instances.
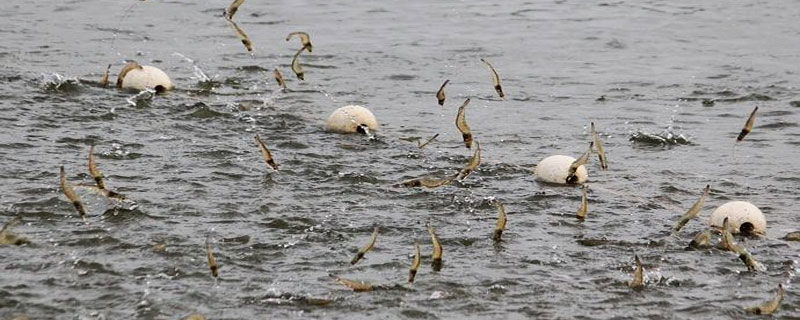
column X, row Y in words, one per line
column 144, row 97
column 665, row 138
column 199, row 74
column 57, row 82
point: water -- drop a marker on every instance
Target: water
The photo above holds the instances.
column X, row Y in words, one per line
column 686, row 73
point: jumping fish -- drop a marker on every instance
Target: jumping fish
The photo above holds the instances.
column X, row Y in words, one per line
column 437, row 249
column 502, row 218
column 584, row 204
column 422, row 145
column 748, row 126
column 266, row 154
column 495, row 79
column 242, row 36
column 296, row 65
column 357, row 286
column 304, row 39
column 792, row 236
column 8, row 237
column 96, row 174
column 98, row 178
column 279, row 78
column 212, row 262
column 571, row 177
column 638, row 275
column 700, row 240
column 71, row 195
column 428, row 182
column 232, row 8
column 125, row 69
column 727, row 243
column 461, row 124
column 472, row 164
column 195, row 316
column 770, row 306
column 440, row 94
column 694, row 211
column 749, row 261
column 367, row 247
column 601, row 155
column 412, row 272
column 104, row 80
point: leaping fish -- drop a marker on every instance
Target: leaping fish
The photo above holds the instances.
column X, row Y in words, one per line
column 412, row 271
column 502, row 218
column 367, row 247
column 748, row 260
column 638, row 275
column 304, row 39
column 584, row 204
column 461, row 124
column 98, row 178
column 700, row 240
column 748, row 126
column 266, row 154
column 422, row 145
column 428, row 182
column 472, row 164
column 8, row 237
column 357, row 286
column 296, row 65
column 279, row 78
column 495, row 79
column 242, row 36
column 96, row 174
column 125, row 69
column 571, row 177
column 440, row 94
column 232, row 8
column 436, row 264
column 212, row 262
column 727, row 243
column 694, row 211
column 601, row 155
column 104, row 80
column 770, row 306
column 71, row 195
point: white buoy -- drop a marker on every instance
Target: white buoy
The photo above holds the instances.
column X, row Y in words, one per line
column 554, row 169
column 135, row 76
column 743, row 217
column 347, row 119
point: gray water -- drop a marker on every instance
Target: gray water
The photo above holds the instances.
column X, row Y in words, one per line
column 188, row 158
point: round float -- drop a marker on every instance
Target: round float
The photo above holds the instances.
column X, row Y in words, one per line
column 349, row 118
column 135, row 76
column 743, row 217
column 554, row 169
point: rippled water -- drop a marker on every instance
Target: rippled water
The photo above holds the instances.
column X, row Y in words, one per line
column 668, row 83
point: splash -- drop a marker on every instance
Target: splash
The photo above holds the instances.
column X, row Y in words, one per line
column 665, row 138
column 57, row 82
column 199, row 74
column 142, row 98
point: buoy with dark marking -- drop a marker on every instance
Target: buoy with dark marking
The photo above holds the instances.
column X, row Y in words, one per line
column 351, row 119
column 743, row 217
column 136, row 76
column 555, row 169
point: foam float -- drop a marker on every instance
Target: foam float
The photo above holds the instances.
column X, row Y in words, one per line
column 139, row 77
column 351, row 119
column 555, row 169
column 743, row 217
